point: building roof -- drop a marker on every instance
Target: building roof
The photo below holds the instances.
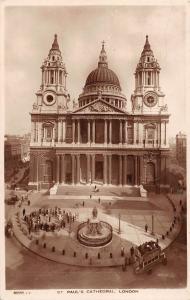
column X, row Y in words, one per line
column 102, row 74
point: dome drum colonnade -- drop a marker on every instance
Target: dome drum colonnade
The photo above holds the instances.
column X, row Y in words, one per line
column 100, row 141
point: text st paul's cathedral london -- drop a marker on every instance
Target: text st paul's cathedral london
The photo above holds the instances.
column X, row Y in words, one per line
column 98, row 141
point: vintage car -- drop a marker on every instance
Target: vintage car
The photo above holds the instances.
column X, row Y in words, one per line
column 147, row 256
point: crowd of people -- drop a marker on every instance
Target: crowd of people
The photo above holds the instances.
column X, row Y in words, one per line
column 49, row 219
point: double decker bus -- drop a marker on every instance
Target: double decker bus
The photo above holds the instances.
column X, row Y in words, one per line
column 147, row 256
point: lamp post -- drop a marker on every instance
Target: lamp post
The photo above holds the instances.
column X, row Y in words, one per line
column 119, row 230
column 152, row 225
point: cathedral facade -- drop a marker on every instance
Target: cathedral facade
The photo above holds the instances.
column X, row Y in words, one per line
column 97, row 140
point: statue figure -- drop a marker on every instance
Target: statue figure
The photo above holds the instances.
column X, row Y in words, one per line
column 94, row 212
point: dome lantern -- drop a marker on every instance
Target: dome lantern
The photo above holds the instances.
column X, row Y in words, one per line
column 103, row 57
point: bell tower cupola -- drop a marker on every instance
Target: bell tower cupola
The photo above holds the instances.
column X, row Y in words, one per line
column 54, row 73
column 147, row 96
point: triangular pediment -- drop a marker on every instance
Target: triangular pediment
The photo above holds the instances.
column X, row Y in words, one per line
column 98, row 106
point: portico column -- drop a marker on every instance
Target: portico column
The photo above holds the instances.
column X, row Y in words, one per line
column 93, row 131
column 78, row 168
column 120, row 131
column 57, row 168
column 93, row 168
column 105, row 169
column 136, row 170
column 110, row 169
column 73, row 129
column 88, row 131
column 110, row 132
column 135, row 133
column 63, row 130
column 125, row 137
column 73, row 168
column 105, row 132
column 88, row 169
column 63, row 168
column 78, row 127
column 120, row 170
column 124, row 170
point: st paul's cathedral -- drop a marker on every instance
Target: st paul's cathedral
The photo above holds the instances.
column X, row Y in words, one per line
column 97, row 140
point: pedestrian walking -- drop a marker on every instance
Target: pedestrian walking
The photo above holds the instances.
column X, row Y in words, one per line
column 132, row 250
column 146, row 227
column 83, row 203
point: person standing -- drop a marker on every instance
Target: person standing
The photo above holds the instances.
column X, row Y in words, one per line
column 23, row 212
column 146, row 227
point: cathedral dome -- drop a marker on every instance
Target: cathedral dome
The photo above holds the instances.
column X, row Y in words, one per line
column 102, row 75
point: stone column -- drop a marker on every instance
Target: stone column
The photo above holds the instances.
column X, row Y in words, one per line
column 73, row 168
column 120, row 132
column 89, row 131
column 40, row 132
column 78, row 126
column 78, row 168
column 136, row 170
column 73, row 130
column 110, row 132
column 57, row 168
column 88, row 169
column 134, row 133
column 59, row 131
column 120, row 170
column 110, row 169
column 162, row 133
column 165, row 133
column 33, row 132
column 63, row 168
column 93, row 131
column 63, row 131
column 125, row 170
column 105, row 132
column 93, row 168
column 105, row 169
column 53, row 138
column 125, row 137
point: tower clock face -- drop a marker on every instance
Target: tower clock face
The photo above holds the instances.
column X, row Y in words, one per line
column 150, row 100
column 49, row 99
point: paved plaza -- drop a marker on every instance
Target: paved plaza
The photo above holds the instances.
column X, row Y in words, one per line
column 35, row 272
column 155, row 211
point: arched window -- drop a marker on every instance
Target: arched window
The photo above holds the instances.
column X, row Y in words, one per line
column 48, row 131
column 52, row 78
column 60, row 77
column 149, row 133
column 149, row 78
column 53, row 58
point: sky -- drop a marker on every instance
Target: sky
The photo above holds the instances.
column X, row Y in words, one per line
column 29, row 33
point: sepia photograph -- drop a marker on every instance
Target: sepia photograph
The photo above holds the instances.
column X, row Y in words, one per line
column 95, row 142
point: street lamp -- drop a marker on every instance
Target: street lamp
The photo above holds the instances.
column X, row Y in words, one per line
column 152, row 225
column 119, row 230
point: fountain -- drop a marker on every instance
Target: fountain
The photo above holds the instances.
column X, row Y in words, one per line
column 94, row 233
